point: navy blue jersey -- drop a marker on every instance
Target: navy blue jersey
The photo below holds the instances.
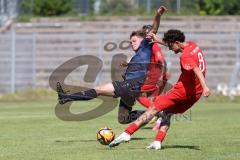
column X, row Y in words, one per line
column 138, row 65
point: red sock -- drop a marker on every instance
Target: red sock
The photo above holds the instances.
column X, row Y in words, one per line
column 131, row 128
column 160, row 136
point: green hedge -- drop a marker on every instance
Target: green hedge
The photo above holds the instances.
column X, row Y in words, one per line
column 124, row 7
column 219, row 7
column 46, row 7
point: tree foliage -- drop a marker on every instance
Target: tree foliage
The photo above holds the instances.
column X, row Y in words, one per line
column 110, row 7
column 47, row 7
column 219, row 7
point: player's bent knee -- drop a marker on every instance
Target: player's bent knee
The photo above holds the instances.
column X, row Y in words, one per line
column 99, row 88
column 164, row 128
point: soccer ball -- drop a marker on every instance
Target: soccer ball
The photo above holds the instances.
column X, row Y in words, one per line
column 105, row 135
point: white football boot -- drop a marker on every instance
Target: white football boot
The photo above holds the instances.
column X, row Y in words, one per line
column 154, row 145
column 124, row 137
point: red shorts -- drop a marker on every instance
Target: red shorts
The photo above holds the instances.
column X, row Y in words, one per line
column 175, row 101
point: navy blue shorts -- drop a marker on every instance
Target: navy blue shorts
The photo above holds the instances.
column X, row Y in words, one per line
column 128, row 90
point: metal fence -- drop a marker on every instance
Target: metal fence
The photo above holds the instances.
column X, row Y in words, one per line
column 12, row 8
column 17, row 62
column 8, row 10
column 27, row 60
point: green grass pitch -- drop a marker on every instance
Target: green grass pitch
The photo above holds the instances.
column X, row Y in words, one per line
column 31, row 131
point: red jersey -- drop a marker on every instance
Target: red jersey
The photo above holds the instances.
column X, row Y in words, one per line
column 157, row 70
column 190, row 58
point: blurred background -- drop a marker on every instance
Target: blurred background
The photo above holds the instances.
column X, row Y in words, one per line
column 37, row 36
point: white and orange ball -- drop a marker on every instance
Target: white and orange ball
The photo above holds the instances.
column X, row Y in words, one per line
column 105, row 135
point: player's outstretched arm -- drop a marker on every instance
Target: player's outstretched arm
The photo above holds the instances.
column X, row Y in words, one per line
column 206, row 90
column 156, row 20
column 156, row 39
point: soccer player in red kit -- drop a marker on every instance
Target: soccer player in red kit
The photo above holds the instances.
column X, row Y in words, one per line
column 187, row 91
column 154, row 84
column 157, row 75
column 157, row 71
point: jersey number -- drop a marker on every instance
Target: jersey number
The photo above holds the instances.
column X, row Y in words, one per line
column 201, row 61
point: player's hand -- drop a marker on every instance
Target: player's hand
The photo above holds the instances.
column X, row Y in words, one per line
column 152, row 36
column 161, row 10
column 155, row 39
column 206, row 92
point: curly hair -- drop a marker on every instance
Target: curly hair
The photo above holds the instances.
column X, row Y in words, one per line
column 139, row 33
column 147, row 28
column 173, row 35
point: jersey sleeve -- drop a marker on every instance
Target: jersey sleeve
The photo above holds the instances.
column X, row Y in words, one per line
column 188, row 62
column 157, row 53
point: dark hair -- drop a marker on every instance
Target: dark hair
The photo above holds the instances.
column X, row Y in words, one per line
column 147, row 27
column 173, row 35
column 139, row 33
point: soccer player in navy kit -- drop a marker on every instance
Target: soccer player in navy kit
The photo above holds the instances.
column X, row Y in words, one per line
column 134, row 77
column 154, row 83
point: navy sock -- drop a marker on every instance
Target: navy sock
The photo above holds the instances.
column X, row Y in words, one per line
column 82, row 96
column 90, row 93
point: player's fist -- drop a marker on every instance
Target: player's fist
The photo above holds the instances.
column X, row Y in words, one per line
column 161, row 10
column 206, row 92
column 152, row 36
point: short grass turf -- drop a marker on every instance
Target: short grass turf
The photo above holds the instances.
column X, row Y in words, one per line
column 31, row 131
